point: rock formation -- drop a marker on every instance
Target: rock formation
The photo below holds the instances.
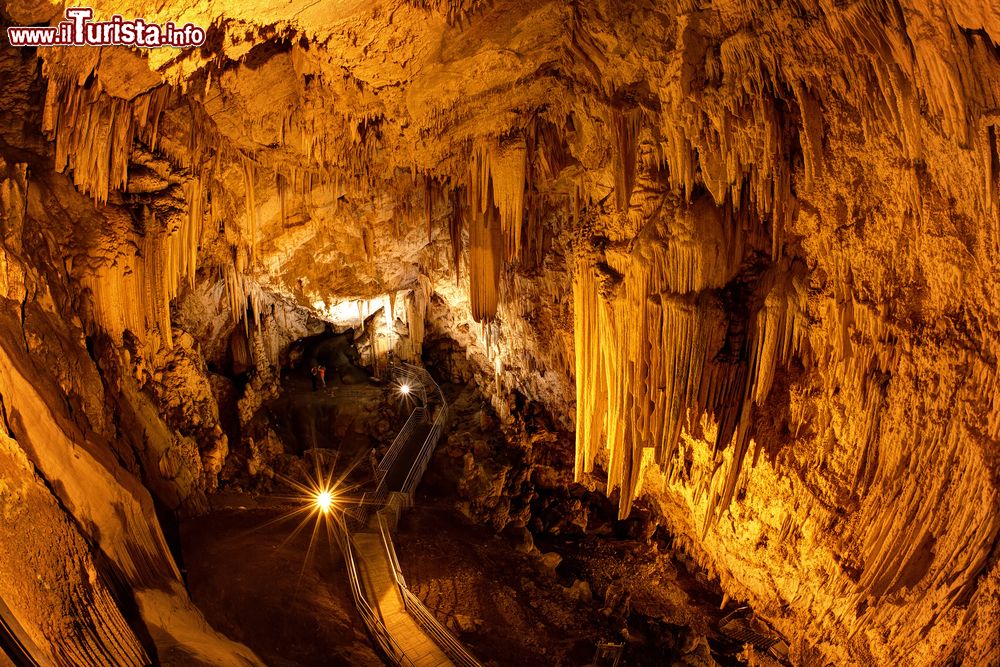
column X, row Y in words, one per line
column 748, row 252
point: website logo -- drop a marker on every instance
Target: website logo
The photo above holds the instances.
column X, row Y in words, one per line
column 79, row 29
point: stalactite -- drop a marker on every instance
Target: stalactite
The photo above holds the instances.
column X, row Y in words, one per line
column 249, row 185
column 239, row 347
column 497, row 174
column 456, row 11
column 486, row 243
column 625, row 126
column 134, row 289
column 243, row 294
column 416, row 316
column 591, row 383
column 282, row 186
column 429, row 206
column 186, row 242
column 455, row 232
column 507, row 172
column 485, row 259
column 389, row 310
column 93, row 132
column 812, row 134
column 535, row 237
column 651, row 350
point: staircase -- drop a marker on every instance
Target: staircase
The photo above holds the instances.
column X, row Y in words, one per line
column 405, row 630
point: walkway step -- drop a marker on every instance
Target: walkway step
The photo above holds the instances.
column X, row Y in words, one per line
column 372, row 566
column 381, row 589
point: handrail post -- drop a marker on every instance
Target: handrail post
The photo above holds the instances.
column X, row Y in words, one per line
column 411, row 603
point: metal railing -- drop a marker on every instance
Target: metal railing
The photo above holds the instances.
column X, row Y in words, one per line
column 414, row 376
column 375, row 498
column 443, row 637
column 371, row 618
column 421, row 376
column 390, row 457
column 423, row 458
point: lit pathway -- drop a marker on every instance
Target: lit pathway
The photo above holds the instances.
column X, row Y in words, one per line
column 399, row 623
column 376, row 574
column 395, row 475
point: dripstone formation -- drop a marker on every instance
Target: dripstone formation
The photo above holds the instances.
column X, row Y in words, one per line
column 748, row 252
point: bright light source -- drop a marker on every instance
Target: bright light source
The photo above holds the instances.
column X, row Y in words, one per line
column 404, row 389
column 324, row 501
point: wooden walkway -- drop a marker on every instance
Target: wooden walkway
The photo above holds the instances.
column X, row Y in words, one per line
column 396, row 475
column 382, row 591
column 406, row 631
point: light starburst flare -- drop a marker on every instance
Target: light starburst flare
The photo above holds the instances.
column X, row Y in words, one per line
column 324, row 501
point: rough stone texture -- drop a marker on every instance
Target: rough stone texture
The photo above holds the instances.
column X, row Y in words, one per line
column 758, row 239
column 86, row 571
column 69, row 613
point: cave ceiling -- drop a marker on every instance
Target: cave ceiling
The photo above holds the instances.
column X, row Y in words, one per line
column 357, row 104
column 747, row 251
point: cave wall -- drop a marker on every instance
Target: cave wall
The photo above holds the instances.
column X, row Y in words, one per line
column 748, row 252
column 82, row 446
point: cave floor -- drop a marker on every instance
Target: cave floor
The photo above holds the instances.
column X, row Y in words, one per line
column 257, row 586
column 513, row 604
column 500, row 602
column 512, row 608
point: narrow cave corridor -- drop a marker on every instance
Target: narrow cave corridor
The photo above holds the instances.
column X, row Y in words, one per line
column 494, row 333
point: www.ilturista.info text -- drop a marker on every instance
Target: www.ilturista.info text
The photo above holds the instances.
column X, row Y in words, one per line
column 80, row 30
